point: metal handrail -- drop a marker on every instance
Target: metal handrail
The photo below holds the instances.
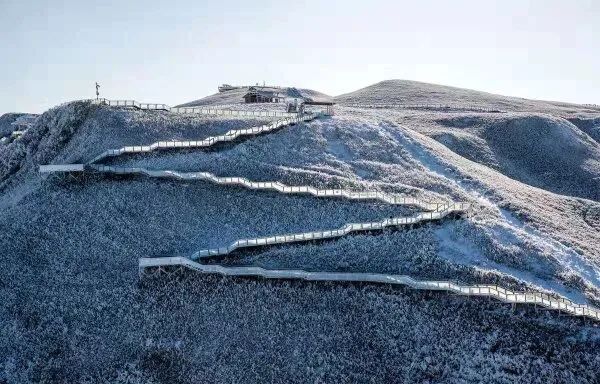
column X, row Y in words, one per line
column 191, row 110
column 389, row 198
column 334, row 233
column 438, row 210
column 492, row 291
column 209, row 141
column 425, row 106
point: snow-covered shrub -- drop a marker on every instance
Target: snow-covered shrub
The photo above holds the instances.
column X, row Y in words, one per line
column 42, row 142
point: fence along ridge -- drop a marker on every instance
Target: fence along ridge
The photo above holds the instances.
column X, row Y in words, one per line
column 207, row 142
column 484, row 290
column 389, row 198
column 425, row 106
column 203, row 110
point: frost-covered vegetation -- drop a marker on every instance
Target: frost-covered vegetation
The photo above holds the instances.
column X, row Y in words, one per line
column 42, row 142
column 72, row 308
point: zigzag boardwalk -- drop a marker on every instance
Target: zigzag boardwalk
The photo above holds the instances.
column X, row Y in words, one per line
column 437, row 210
column 434, row 211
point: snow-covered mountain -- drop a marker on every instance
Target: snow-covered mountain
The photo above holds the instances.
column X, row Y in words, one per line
column 72, row 304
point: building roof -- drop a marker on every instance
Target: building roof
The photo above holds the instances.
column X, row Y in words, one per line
column 263, row 93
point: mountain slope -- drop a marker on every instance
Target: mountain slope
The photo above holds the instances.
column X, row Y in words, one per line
column 413, row 92
column 73, row 308
column 549, row 145
column 540, row 150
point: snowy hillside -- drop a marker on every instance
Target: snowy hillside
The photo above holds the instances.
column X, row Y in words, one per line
column 541, row 150
column 72, row 304
column 413, row 92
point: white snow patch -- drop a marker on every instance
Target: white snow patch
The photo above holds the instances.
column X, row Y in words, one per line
column 460, row 251
column 565, row 256
column 509, row 229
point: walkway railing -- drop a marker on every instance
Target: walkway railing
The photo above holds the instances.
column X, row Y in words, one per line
column 492, row 291
column 436, row 107
column 195, row 110
column 439, row 210
column 389, row 198
column 330, row 234
column 209, row 141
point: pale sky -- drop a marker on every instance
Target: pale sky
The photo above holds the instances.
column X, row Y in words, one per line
column 176, row 51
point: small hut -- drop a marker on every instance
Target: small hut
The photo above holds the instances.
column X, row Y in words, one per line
column 263, row 95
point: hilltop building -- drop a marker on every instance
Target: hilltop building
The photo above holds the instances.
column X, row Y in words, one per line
column 263, row 95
